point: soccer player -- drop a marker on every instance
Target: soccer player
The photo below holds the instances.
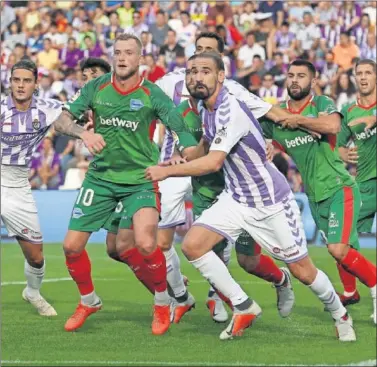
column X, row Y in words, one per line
column 25, row 120
column 359, row 126
column 93, row 67
column 125, row 109
column 205, row 191
column 257, row 198
column 173, row 205
column 333, row 195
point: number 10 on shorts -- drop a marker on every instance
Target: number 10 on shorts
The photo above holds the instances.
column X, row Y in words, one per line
column 86, row 195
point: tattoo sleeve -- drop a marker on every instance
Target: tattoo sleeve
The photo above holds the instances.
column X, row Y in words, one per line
column 65, row 124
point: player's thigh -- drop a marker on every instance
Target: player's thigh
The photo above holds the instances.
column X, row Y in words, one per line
column 19, row 214
column 279, row 230
column 173, row 191
column 94, row 204
column 342, row 217
column 224, row 217
column 368, row 192
column 246, row 245
column 113, row 221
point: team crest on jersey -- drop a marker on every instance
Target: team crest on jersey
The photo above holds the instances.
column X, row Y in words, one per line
column 136, row 104
column 36, row 124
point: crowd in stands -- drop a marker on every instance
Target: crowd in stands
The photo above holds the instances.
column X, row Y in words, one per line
column 261, row 38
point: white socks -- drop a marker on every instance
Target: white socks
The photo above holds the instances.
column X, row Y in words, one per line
column 325, row 291
column 174, row 275
column 34, row 277
column 90, row 299
column 227, row 253
column 215, row 271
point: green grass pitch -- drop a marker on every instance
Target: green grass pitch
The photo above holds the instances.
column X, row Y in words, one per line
column 120, row 334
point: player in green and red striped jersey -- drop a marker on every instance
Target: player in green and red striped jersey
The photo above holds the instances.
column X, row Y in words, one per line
column 125, row 109
column 333, row 195
column 359, row 126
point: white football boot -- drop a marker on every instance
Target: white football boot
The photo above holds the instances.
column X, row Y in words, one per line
column 41, row 305
column 285, row 295
column 344, row 329
column 217, row 309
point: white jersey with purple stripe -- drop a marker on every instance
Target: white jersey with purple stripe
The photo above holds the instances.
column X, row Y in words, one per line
column 173, row 84
column 21, row 131
column 249, row 177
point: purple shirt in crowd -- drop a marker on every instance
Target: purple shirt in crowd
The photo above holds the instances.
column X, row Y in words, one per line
column 70, row 58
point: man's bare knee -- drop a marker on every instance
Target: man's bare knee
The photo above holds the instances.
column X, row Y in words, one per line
column 303, row 270
column 338, row 251
column 75, row 242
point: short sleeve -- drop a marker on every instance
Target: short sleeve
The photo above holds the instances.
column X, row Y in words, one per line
column 51, row 108
column 326, row 106
column 268, row 128
column 82, row 100
column 345, row 133
column 230, row 129
column 161, row 104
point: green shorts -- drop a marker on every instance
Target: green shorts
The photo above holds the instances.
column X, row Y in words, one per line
column 368, row 192
column 245, row 244
column 98, row 201
column 336, row 217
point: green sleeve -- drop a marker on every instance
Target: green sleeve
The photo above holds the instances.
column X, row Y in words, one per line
column 345, row 133
column 161, row 103
column 82, row 101
column 182, row 137
column 268, row 128
column 326, row 105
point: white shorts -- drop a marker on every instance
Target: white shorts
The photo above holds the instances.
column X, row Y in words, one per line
column 173, row 192
column 277, row 228
column 19, row 213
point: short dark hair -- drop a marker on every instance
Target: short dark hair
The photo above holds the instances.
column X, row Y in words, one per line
column 257, row 57
column 306, row 63
column 160, row 12
column 71, row 39
column 26, row 65
column 285, row 24
column 278, row 53
column 214, row 56
column 184, row 12
column 220, row 41
column 94, row 62
column 250, row 33
column 268, row 74
column 367, row 62
column 346, row 33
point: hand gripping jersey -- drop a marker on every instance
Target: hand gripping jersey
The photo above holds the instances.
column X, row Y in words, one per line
column 318, row 161
column 126, row 120
column 173, row 84
column 365, row 140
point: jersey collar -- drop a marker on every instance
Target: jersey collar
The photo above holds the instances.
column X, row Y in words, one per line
column 124, row 93
column 302, row 108
column 365, row 107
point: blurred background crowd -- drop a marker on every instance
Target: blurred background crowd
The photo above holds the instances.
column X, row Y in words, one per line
column 261, row 38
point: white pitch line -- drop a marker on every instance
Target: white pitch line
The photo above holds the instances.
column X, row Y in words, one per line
column 370, row 362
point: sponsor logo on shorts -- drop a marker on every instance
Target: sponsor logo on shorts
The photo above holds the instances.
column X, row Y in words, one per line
column 136, row 104
column 25, row 231
column 77, row 213
column 333, row 222
column 299, row 140
column 117, row 122
column 276, row 250
column 366, row 134
column 292, row 254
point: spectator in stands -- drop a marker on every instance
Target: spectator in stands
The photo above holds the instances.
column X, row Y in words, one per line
column 369, row 50
column 198, row 11
column 19, row 51
column 138, row 27
column 125, row 14
column 246, row 20
column 329, row 74
column 49, row 57
column 330, row 34
column 101, row 18
column 33, row 15
column 110, row 6
column 92, row 49
column 282, row 41
column 274, row 7
column 220, row 13
column 256, row 75
column 345, row 51
column 279, row 70
column 86, row 30
column 14, row 36
column 8, row 16
column 154, row 71
column 147, row 46
column 35, row 41
column 349, row 15
column 324, row 12
column 296, row 11
column 160, row 29
column 361, row 31
column 269, row 91
column 70, row 55
column 45, row 86
column 344, row 90
column 186, row 33
column 248, row 51
column 48, row 167
column 171, row 50
column 111, row 32
column 309, row 35
column 79, row 18
column 265, row 30
column 58, row 39
column 371, row 10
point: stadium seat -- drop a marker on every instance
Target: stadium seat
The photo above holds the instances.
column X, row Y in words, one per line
column 72, row 180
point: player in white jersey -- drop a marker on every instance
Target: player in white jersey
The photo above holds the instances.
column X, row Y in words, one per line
column 175, row 189
column 257, row 198
column 25, row 120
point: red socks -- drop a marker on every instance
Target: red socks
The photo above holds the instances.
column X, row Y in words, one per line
column 348, row 280
column 156, row 265
column 268, row 270
column 79, row 268
column 355, row 263
column 135, row 260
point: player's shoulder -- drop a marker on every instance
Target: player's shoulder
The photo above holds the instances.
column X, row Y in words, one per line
column 348, row 107
column 173, row 76
column 234, row 87
column 100, row 82
column 48, row 104
column 318, row 100
column 152, row 88
column 183, row 106
column 4, row 101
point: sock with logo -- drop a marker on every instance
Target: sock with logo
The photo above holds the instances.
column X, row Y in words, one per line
column 325, row 291
column 348, row 280
column 80, row 269
column 214, row 270
column 174, row 275
column 135, row 260
column 355, row 263
column 268, row 270
column 156, row 264
column 34, row 277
